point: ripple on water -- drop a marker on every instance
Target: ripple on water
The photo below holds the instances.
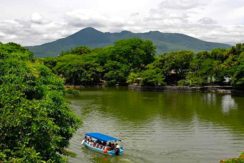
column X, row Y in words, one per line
column 161, row 135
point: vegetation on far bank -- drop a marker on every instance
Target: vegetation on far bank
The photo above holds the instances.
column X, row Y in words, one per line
column 134, row 61
column 35, row 121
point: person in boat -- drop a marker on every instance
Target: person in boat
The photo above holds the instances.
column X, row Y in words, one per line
column 109, row 144
column 86, row 139
column 98, row 141
column 91, row 142
column 117, row 149
column 100, row 144
column 112, row 146
column 104, row 143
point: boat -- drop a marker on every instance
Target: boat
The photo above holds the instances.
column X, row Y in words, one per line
column 103, row 144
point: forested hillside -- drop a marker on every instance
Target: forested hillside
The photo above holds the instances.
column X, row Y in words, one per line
column 93, row 38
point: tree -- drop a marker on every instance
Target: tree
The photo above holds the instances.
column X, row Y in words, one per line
column 238, row 69
column 80, row 50
column 135, row 52
column 36, row 123
column 174, row 65
column 115, row 73
column 152, row 77
column 112, row 64
column 206, row 68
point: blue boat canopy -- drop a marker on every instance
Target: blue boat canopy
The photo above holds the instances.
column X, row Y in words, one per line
column 101, row 137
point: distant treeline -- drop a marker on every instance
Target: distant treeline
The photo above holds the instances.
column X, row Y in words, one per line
column 35, row 121
column 134, row 61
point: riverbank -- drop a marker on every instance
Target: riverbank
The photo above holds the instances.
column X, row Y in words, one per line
column 240, row 159
column 213, row 89
column 78, row 87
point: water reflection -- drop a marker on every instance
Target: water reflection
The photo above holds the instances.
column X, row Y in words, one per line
column 142, row 107
column 161, row 126
column 228, row 103
column 210, row 98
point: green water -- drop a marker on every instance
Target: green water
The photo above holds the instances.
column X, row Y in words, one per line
column 161, row 127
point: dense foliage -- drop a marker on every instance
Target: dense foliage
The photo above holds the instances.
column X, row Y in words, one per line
column 35, row 121
column 217, row 67
column 110, row 65
column 133, row 61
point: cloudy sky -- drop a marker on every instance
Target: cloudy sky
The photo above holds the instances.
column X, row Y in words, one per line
column 32, row 22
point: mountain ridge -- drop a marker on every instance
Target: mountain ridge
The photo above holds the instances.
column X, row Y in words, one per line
column 94, row 38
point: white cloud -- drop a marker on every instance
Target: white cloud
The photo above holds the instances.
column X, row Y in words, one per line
column 37, row 18
column 206, row 20
column 180, row 4
column 85, row 18
column 213, row 20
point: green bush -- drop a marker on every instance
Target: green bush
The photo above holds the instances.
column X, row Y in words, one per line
column 36, row 123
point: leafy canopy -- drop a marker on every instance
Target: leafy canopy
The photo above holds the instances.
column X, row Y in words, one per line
column 36, row 123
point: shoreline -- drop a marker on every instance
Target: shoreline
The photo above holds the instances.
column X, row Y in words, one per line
column 213, row 89
column 210, row 89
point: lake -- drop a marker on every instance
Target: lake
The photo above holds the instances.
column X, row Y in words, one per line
column 155, row 127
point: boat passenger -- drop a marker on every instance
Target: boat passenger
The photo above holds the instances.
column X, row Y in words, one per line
column 108, row 144
column 104, row 143
column 117, row 149
column 94, row 144
column 108, row 148
column 112, row 146
column 88, row 139
column 91, row 142
column 98, row 141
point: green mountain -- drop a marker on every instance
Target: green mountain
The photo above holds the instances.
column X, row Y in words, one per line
column 93, row 38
